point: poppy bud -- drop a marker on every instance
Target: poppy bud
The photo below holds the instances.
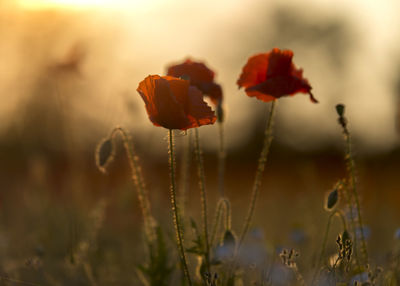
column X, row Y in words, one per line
column 226, row 249
column 332, row 200
column 104, row 154
column 229, row 238
column 340, row 109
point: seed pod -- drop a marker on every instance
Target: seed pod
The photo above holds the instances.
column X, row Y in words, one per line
column 332, row 199
column 340, row 109
column 229, row 238
column 104, row 154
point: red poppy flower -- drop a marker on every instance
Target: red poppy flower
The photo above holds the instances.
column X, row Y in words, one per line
column 174, row 104
column 200, row 76
column 272, row 75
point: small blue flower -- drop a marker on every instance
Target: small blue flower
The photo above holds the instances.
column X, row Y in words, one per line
column 397, row 234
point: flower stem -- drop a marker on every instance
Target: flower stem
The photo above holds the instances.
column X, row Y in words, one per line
column 321, row 256
column 352, row 222
column 223, row 207
column 260, row 170
column 353, row 184
column 203, row 194
column 138, row 180
column 184, row 182
column 221, row 160
column 177, row 224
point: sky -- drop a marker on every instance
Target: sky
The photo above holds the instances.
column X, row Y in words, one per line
column 349, row 52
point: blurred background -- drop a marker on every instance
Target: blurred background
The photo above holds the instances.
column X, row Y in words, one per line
column 69, row 72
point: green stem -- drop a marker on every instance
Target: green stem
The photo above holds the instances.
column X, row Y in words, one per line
column 215, row 224
column 260, row 170
column 221, row 160
column 138, row 180
column 223, row 204
column 328, row 226
column 184, row 183
column 353, row 184
column 203, row 194
column 177, row 224
column 316, row 273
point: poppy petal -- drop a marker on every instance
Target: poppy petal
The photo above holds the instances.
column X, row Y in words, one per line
column 161, row 105
column 281, row 85
column 259, row 95
column 312, row 98
column 255, row 71
column 280, row 62
column 146, row 91
column 215, row 93
column 179, row 88
column 199, row 112
column 273, row 75
column 213, row 90
column 196, row 72
column 174, row 104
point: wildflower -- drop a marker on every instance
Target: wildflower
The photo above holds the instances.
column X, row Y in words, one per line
column 361, row 278
column 397, row 234
column 174, row 104
column 200, row 76
column 271, row 75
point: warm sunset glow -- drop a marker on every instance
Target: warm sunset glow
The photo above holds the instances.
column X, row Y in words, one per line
column 80, row 4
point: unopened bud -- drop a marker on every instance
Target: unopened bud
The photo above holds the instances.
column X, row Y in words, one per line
column 104, row 154
column 229, row 238
column 332, row 200
column 340, row 109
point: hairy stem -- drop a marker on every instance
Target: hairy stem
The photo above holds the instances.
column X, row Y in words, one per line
column 321, row 256
column 350, row 165
column 260, row 170
column 221, row 160
column 138, row 180
column 203, row 195
column 175, row 213
column 353, row 185
column 184, row 183
column 223, row 207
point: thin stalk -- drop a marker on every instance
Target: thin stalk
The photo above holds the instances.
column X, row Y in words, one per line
column 138, row 180
column 184, row 183
column 328, row 226
column 223, row 207
column 228, row 214
column 216, row 223
column 175, row 213
column 340, row 108
column 203, row 195
column 260, row 170
column 353, row 184
column 352, row 220
column 221, row 160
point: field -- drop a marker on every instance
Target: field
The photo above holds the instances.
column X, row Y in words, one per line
column 112, row 176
